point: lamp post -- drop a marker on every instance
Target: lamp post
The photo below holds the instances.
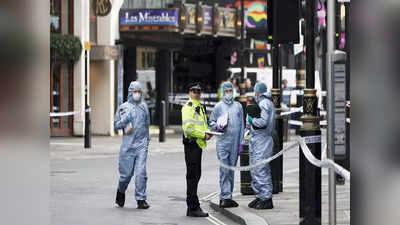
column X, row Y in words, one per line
column 310, row 176
column 88, row 136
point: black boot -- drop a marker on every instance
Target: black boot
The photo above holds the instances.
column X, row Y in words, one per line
column 142, row 204
column 340, row 180
column 254, row 203
column 228, row 203
column 196, row 213
column 120, row 199
column 264, row 204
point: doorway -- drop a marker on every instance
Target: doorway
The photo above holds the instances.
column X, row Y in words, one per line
column 61, row 98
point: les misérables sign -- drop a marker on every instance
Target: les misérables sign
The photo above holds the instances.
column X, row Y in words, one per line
column 149, row 17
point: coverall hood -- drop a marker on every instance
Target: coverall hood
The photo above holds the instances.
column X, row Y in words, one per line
column 228, row 99
column 261, row 89
column 134, row 85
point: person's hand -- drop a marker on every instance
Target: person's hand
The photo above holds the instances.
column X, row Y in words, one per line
column 250, row 119
column 219, row 128
column 246, row 139
column 129, row 117
column 208, row 137
column 240, row 149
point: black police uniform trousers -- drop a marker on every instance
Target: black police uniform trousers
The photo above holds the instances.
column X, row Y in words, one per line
column 193, row 173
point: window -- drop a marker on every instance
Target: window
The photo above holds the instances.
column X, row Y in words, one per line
column 147, row 58
column 55, row 16
column 145, row 4
column 61, row 16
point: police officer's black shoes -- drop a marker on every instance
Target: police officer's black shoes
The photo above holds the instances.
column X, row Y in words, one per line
column 254, row 203
column 142, row 204
column 196, row 213
column 120, row 199
column 228, row 203
column 264, row 204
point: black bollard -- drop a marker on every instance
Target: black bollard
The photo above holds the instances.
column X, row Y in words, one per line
column 162, row 122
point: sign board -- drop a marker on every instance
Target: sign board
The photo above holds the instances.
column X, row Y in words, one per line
column 188, row 18
column 227, row 26
column 189, row 11
column 87, row 45
column 208, row 20
column 297, row 48
column 152, row 19
column 104, row 52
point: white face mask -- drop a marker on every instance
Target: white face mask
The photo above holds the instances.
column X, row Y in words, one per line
column 136, row 97
column 229, row 97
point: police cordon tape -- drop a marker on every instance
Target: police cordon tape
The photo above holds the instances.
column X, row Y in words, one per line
column 325, row 163
column 300, row 123
column 183, row 102
column 60, row 114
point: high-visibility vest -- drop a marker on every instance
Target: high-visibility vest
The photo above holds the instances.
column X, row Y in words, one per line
column 194, row 122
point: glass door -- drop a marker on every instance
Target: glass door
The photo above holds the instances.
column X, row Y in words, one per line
column 61, row 97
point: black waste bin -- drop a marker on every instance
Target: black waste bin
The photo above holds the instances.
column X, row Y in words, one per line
column 245, row 177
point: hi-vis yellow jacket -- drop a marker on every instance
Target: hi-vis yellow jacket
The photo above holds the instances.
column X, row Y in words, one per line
column 194, row 122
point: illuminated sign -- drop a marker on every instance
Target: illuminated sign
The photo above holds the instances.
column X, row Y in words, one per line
column 191, row 14
column 228, row 21
column 189, row 18
column 149, row 17
column 208, row 19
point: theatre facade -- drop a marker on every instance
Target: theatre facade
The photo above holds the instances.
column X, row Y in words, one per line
column 163, row 44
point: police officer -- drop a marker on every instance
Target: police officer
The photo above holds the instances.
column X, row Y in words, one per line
column 194, row 124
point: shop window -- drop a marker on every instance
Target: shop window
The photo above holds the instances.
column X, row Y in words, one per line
column 143, row 60
column 150, row 59
column 147, row 60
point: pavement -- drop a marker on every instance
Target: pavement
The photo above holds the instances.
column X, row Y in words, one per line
column 83, row 184
column 286, row 203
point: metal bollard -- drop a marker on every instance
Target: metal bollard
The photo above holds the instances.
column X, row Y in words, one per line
column 162, row 122
column 88, row 135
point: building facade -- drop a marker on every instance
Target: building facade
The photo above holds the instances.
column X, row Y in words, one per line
column 114, row 60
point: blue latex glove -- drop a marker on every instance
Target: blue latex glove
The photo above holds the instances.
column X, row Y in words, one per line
column 219, row 129
column 240, row 149
column 250, row 119
column 128, row 117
